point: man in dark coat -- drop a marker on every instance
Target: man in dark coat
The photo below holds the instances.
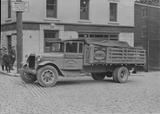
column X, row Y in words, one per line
column 13, row 56
column 3, row 52
column 7, row 62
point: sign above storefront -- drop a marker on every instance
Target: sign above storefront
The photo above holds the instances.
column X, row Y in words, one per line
column 20, row 6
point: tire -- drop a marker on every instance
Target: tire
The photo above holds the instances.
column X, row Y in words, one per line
column 115, row 75
column 98, row 76
column 120, row 75
column 27, row 78
column 47, row 76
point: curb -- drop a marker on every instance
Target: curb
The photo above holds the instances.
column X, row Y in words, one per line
column 10, row 74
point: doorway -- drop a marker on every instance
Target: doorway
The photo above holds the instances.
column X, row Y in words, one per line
column 9, row 42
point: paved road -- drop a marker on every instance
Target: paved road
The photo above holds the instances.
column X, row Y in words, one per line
column 81, row 96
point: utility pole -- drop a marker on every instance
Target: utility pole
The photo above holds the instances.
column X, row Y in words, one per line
column 147, row 39
column 19, row 38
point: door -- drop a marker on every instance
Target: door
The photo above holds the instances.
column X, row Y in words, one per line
column 154, row 55
column 9, row 42
column 73, row 56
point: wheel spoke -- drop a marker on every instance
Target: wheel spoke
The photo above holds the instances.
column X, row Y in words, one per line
column 48, row 76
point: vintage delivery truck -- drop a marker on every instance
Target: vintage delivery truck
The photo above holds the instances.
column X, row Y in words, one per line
column 98, row 57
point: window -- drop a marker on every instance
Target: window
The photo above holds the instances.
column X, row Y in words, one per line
column 84, row 9
column 143, row 33
column 113, row 12
column 144, row 12
column 9, row 8
column 50, row 36
column 107, row 36
column 71, row 47
column 51, row 8
column 74, row 47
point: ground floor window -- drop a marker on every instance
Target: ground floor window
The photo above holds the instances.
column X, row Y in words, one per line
column 50, row 36
column 108, row 36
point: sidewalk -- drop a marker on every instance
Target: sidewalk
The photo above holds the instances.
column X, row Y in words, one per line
column 12, row 73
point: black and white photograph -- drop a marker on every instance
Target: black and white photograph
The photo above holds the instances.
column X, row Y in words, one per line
column 80, row 57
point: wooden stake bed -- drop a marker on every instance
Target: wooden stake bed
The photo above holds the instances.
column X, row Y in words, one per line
column 115, row 54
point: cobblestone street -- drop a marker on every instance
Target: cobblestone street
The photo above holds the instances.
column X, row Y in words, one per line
column 81, row 96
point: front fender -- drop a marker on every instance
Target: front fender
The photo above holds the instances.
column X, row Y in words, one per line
column 43, row 63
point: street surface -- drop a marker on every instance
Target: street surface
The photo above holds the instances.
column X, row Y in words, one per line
column 82, row 95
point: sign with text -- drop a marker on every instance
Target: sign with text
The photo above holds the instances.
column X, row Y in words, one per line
column 20, row 6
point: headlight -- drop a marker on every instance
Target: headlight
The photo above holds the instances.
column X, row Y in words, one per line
column 38, row 58
column 26, row 57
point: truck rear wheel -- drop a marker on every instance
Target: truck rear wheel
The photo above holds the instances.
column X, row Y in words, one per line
column 27, row 78
column 98, row 76
column 47, row 76
column 120, row 74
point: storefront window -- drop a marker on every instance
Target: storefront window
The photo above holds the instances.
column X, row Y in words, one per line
column 107, row 36
column 50, row 38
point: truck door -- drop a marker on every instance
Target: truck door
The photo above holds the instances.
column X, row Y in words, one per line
column 73, row 55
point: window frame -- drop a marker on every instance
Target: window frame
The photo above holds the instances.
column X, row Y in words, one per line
column 50, row 39
column 9, row 9
column 56, row 8
column 105, row 35
column 110, row 11
column 78, row 47
column 82, row 17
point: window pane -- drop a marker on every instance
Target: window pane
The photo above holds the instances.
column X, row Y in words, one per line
column 80, row 47
column 50, row 34
column 51, row 1
column 113, row 11
column 50, row 37
column 54, row 47
column 84, row 9
column 71, row 47
column 51, row 8
column 113, row 37
column 9, row 8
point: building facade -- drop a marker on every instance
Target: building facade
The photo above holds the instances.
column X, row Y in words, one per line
column 47, row 20
column 147, row 31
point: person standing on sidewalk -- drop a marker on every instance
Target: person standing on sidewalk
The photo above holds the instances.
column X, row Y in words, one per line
column 3, row 52
column 13, row 56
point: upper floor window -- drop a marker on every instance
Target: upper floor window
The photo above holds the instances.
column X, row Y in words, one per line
column 9, row 8
column 51, row 8
column 144, row 12
column 113, row 12
column 84, row 9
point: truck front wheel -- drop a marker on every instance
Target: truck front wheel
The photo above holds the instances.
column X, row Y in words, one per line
column 27, row 78
column 47, row 76
column 98, row 76
column 120, row 74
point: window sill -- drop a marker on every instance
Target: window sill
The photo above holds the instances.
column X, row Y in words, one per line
column 84, row 21
column 113, row 23
column 8, row 20
column 51, row 19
